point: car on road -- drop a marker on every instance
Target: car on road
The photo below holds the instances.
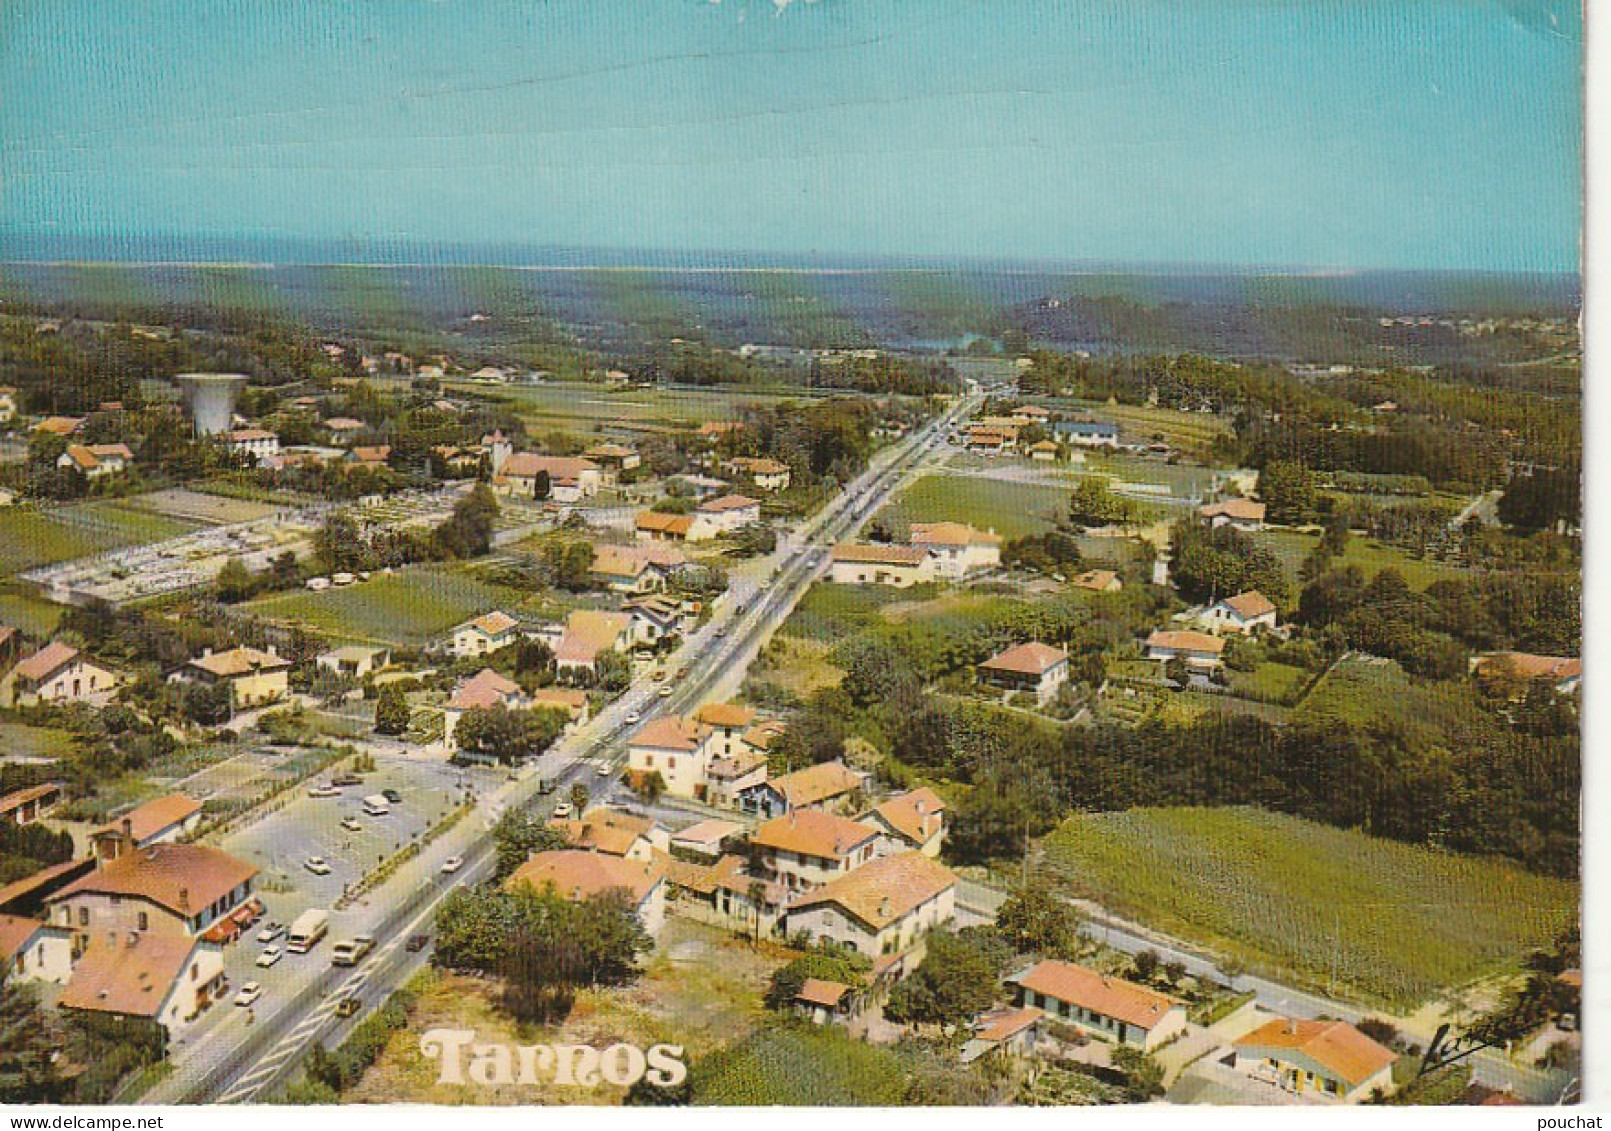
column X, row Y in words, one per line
column 348, row 952
column 317, row 865
column 270, row 932
column 348, row 1006
column 739, row 611
column 417, row 943
column 352, row 824
column 659, row 675
column 603, row 769
column 665, row 691
column 249, row 993
column 392, row 795
column 682, row 673
column 633, row 718
column 562, row 810
column 324, row 790
column 721, row 631
column 452, row 864
column 270, row 955
column 546, row 786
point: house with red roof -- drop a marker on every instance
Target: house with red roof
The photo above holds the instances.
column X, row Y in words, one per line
column 93, row 461
column 1316, row 1060
column 1034, row 668
column 165, row 979
column 876, row 563
column 578, row 875
column 910, row 822
column 885, row 906
column 804, row 850
column 32, row 950
column 1100, row 1004
column 1244, row 614
column 31, row 803
column 57, row 673
column 172, row 889
column 161, row 820
column 956, row 548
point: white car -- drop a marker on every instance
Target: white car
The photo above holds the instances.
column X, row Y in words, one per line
column 351, row 825
column 603, row 769
column 562, row 810
column 249, row 993
column 270, row 932
column 634, row 719
column 664, row 692
column 324, row 790
column 316, row 865
column 452, row 864
column 270, row 955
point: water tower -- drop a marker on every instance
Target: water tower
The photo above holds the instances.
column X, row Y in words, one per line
column 211, row 397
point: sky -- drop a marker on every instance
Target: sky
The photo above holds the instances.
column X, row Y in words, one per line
column 1403, row 134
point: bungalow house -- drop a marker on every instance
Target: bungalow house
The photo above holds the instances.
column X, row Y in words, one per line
column 570, row 479
column 1244, row 614
column 1098, row 581
column 1011, row 1032
column 635, row 569
column 871, row 563
column 483, row 690
column 1515, row 672
column 96, row 460
column 576, row 875
column 1241, row 514
column 573, row 702
column 484, row 635
column 613, row 460
column 32, row 950
column 706, row 840
column 804, row 850
column 674, row 747
column 588, row 634
column 161, row 820
column 990, row 441
column 62, row 425
column 57, row 673
column 658, row 526
column 883, row 907
column 615, row 833
column 1036, row 668
column 1043, row 451
column 822, row 1002
column 377, row 455
column 259, row 443
column 1101, row 1005
column 1327, row 1060
column 1030, row 414
column 956, row 548
column 253, row 677
column 30, row 804
column 911, row 821
column 1198, row 649
column 727, row 722
column 343, row 430
column 353, row 661
column 825, row 786
column 766, row 474
column 171, row 889
column 162, row 979
column 726, row 513
column 1088, row 433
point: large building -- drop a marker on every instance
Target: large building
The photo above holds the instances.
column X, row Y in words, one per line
column 802, row 851
column 173, row 889
column 957, row 549
column 1100, row 1004
column 166, row 979
column 883, row 907
column 870, row 563
column 254, row 678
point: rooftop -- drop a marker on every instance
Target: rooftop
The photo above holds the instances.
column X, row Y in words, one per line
column 185, row 878
column 810, row 832
column 885, row 890
column 1100, row 993
column 1026, row 659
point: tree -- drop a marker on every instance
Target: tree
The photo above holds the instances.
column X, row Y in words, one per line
column 467, row 532
column 391, row 710
column 506, row 736
column 1093, row 504
column 1033, row 920
column 339, row 544
column 517, row 837
column 28, row 1043
column 1177, row 671
column 1143, row 1074
column 847, row 967
column 956, row 982
column 1144, row 965
column 568, row 561
column 234, row 582
column 1288, row 490
column 579, row 796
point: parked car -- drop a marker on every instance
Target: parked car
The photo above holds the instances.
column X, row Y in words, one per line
column 603, row 769
column 546, row 786
column 349, row 952
column 392, row 795
column 324, row 790
column 270, row 955
column 665, row 691
column 317, row 865
column 249, row 993
column 633, row 719
column 346, row 780
column 452, row 864
column 270, row 932
column 352, row 824
column 417, row 943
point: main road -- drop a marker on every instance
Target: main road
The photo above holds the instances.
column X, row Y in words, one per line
column 238, row 1061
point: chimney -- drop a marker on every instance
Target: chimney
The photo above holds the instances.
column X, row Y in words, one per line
column 884, row 908
column 184, row 900
column 133, row 938
column 205, row 652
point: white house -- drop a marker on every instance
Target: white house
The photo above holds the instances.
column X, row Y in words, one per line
column 589, row 633
column 956, row 548
column 804, row 850
column 1242, row 514
column 57, row 673
column 883, row 907
column 1036, row 668
column 172, row 889
column 259, row 443
column 1104, row 1006
column 1088, row 433
column 726, row 513
column 162, row 820
column 354, row 661
column 485, row 689
column 484, row 635
column 577, row 875
column 1325, row 1060
column 570, row 479
column 32, row 950
column 1244, row 614
column 911, row 821
column 165, row 979
column 872, row 563
column 96, row 460
column 1198, row 649
column 766, row 474
column 674, row 747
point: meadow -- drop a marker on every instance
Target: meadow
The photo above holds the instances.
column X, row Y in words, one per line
column 409, row 608
column 31, row 537
column 1010, row 509
column 1370, row 556
column 32, row 615
column 1391, row 924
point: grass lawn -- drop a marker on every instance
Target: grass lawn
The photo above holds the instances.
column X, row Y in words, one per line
column 1191, row 432
column 1183, row 480
column 30, row 538
column 1011, row 509
column 831, row 612
column 33, row 615
column 797, row 665
column 408, row 608
column 1369, row 555
column 1361, row 690
column 20, row 741
column 1270, row 683
column 1393, row 923
column 589, row 408
column 700, row 989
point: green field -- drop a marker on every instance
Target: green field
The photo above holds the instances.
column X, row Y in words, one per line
column 32, row 615
column 30, row 538
column 1390, row 923
column 1362, row 690
column 587, row 408
column 20, row 741
column 408, row 608
column 1270, row 682
column 833, row 612
column 1011, row 509
column 1369, row 555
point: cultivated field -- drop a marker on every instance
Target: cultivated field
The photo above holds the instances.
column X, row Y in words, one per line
column 1370, row 556
column 31, row 537
column 1388, row 922
column 409, row 608
column 1011, row 509
column 32, row 615
column 591, row 408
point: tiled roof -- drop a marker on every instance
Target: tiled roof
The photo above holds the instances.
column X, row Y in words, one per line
column 15, row 931
column 879, row 554
column 240, row 661
column 1026, row 659
column 660, row 522
column 17, row 798
column 1530, row 666
column 1186, row 642
column 153, row 817
column 728, row 503
column 817, row 783
column 885, row 890
column 618, row 561
column 484, row 689
column 132, row 976
column 810, row 832
column 1249, row 605
column 1336, row 1046
column 568, row 699
column 729, row 715
column 578, row 874
column 605, row 830
column 916, row 815
column 1244, row 509
column 1100, row 993
column 560, row 469
column 819, row 991
column 670, row 732
column 185, row 878
column 495, row 623
column 46, row 662
column 589, row 632
column 999, row 1025
column 710, row 831
column 951, row 534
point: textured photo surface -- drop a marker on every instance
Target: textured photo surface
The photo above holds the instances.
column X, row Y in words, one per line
column 791, row 552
